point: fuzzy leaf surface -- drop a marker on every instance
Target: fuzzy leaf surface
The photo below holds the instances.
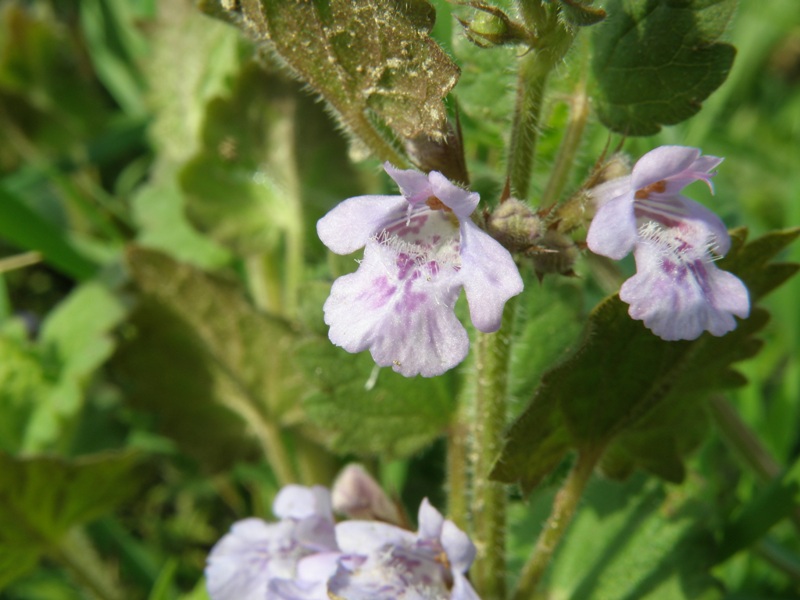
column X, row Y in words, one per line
column 360, row 55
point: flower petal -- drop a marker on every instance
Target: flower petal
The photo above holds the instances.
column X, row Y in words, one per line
column 460, row 550
column 680, row 302
column 300, row 502
column 351, row 224
column 705, row 217
column 462, row 202
column 408, row 323
column 662, row 163
column 430, row 521
column 462, row 589
column 414, row 185
column 365, row 537
column 613, row 230
column 489, row 276
column 356, row 494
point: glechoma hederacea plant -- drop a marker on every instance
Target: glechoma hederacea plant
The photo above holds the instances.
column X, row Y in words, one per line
column 450, row 286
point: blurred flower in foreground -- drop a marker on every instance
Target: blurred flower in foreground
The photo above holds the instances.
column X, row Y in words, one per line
column 677, row 291
column 257, row 557
column 421, row 248
column 303, row 557
column 384, row 562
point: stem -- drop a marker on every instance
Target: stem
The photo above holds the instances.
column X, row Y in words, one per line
column 77, row 554
column 564, row 506
column 579, row 114
column 264, row 282
column 458, row 465
column 534, row 69
column 489, row 423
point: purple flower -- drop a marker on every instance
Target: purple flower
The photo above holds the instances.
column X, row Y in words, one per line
column 384, row 562
column 283, row 558
column 421, row 248
column 356, row 494
column 678, row 291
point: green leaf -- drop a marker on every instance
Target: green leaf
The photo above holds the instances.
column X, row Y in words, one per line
column 629, row 391
column 360, row 55
column 232, row 192
column 656, row 61
column 362, row 409
column 42, row 498
column 634, row 541
column 158, row 209
column 192, row 325
column 74, row 342
column 778, row 501
column 26, row 229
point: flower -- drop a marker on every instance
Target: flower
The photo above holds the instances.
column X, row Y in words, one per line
column 283, row 557
column 356, row 494
column 678, row 291
column 384, row 562
column 421, row 248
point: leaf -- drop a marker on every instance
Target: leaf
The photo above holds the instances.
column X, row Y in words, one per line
column 243, row 357
column 74, row 343
column 364, row 410
column 634, row 541
column 42, row 498
column 624, row 386
column 232, row 192
column 360, row 55
column 779, row 500
column 656, row 61
column 26, row 229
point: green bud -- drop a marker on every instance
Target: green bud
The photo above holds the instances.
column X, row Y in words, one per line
column 515, row 225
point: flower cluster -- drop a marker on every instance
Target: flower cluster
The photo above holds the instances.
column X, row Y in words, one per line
column 677, row 291
column 421, row 249
column 307, row 556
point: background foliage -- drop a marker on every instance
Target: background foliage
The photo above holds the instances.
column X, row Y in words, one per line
column 164, row 367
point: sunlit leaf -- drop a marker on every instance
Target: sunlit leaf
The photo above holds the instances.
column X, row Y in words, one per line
column 656, row 61
column 359, row 55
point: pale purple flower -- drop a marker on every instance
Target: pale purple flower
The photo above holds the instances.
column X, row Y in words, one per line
column 260, row 561
column 384, row 562
column 356, row 494
column 678, row 291
column 421, row 248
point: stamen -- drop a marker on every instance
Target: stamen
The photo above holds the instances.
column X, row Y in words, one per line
column 658, row 187
column 435, row 204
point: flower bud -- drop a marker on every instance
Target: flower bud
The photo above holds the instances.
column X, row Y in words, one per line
column 515, row 225
column 357, row 495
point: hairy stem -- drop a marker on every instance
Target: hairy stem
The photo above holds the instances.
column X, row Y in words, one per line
column 553, row 39
column 488, row 426
column 534, row 69
column 458, row 449
column 564, row 506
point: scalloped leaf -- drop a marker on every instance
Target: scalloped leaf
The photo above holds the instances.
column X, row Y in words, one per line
column 656, row 61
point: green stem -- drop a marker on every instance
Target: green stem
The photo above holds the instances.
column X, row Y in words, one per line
column 534, row 69
column 564, row 506
column 488, row 427
column 458, row 448
column 579, row 114
column 77, row 554
column 264, row 282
